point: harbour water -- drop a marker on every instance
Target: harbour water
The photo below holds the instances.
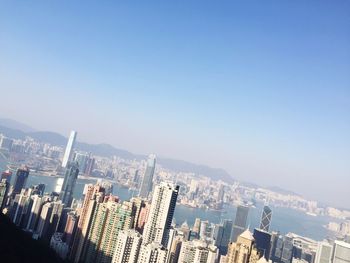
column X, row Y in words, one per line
column 283, row 219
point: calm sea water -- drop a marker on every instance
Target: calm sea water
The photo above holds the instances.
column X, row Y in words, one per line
column 283, row 219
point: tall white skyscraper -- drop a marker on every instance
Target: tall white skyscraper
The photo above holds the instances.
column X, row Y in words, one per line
column 161, row 213
column 69, row 148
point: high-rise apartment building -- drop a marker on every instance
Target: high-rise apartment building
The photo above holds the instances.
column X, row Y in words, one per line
column 120, row 217
column 94, row 194
column 109, row 219
column 44, row 220
column 70, row 228
column 69, row 149
column 34, row 212
column 161, row 213
column 147, row 181
column 152, row 253
column 197, row 251
column 127, row 247
column 266, row 218
column 18, row 208
column 57, row 208
column 4, row 188
column 63, row 219
column 139, row 203
column 143, row 215
column 96, row 232
column 70, row 179
column 240, row 221
column 174, row 249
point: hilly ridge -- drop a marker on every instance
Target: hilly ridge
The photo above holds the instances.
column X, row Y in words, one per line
column 108, row 150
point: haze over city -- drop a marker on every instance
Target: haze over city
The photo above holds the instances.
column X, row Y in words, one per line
column 260, row 90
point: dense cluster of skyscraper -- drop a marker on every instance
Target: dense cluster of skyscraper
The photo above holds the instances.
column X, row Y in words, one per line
column 102, row 228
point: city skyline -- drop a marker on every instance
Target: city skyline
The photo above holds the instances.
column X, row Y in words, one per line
column 175, row 132
column 276, row 188
column 267, row 101
column 91, row 228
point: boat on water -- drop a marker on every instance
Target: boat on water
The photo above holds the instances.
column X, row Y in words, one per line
column 311, row 214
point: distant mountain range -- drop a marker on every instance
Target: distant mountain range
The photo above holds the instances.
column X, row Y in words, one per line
column 15, row 125
column 17, row 130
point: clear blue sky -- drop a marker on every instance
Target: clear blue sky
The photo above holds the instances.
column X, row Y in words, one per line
column 259, row 88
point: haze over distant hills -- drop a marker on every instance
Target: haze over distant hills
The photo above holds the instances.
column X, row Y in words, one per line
column 14, row 129
column 9, row 123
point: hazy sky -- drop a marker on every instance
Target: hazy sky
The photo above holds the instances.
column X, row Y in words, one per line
column 259, row 88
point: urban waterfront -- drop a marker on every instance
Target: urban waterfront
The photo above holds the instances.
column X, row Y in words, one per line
column 284, row 219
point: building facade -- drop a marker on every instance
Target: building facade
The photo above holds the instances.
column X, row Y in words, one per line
column 161, row 214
